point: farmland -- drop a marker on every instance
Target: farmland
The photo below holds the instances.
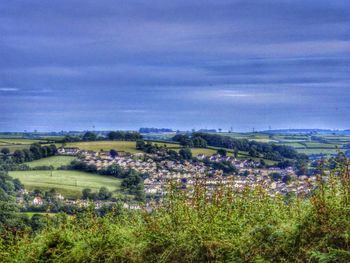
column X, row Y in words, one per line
column 68, row 183
column 310, row 144
column 105, row 145
column 130, row 146
column 55, row 161
column 17, row 143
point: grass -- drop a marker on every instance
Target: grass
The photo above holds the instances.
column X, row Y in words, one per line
column 105, row 145
column 14, row 147
column 55, row 161
column 131, row 146
column 30, row 214
column 19, row 141
column 317, row 151
column 68, row 183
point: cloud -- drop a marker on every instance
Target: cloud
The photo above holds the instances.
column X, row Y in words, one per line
column 5, row 89
column 174, row 62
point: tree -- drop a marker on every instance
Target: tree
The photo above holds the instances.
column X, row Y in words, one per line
column 222, row 152
column 5, row 151
column 86, row 193
column 235, row 152
column 113, row 153
column 140, row 144
column 89, row 136
column 275, row 176
column 18, row 156
column 184, row 140
column 27, row 155
column 185, row 153
column 36, row 151
column 37, row 222
column 104, row 194
column 262, row 163
column 199, row 142
column 9, row 217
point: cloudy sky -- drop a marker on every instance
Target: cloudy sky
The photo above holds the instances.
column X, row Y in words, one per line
column 182, row 64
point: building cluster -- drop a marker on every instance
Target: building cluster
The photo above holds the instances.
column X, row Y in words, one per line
column 162, row 173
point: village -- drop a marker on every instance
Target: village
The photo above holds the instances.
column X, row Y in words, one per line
column 161, row 173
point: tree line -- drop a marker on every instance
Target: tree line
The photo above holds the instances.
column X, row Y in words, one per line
column 255, row 149
column 36, row 151
column 163, row 152
column 112, row 136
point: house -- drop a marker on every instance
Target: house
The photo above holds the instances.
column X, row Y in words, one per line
column 37, row 201
column 122, row 154
column 68, row 151
column 59, row 196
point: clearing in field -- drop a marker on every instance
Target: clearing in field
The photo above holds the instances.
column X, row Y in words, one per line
column 68, row 183
column 55, row 161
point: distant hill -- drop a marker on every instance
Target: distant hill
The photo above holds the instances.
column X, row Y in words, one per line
column 154, row 130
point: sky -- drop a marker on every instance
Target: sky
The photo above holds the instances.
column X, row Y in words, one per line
column 110, row 65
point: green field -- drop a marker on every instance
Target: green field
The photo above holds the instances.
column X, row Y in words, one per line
column 17, row 143
column 14, row 147
column 55, row 161
column 130, row 146
column 105, row 145
column 68, row 183
column 303, row 143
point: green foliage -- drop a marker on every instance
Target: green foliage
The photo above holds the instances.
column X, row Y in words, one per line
column 102, row 194
column 185, row 153
column 124, row 136
column 89, row 136
column 250, row 226
column 222, row 152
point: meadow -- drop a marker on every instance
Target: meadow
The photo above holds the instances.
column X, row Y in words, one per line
column 96, row 146
column 55, row 161
column 131, row 146
column 303, row 143
column 14, row 144
column 68, row 183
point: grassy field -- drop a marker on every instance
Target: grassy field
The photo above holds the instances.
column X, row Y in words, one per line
column 15, row 147
column 68, row 183
column 105, row 145
column 55, row 161
column 17, row 143
column 130, row 146
column 303, row 143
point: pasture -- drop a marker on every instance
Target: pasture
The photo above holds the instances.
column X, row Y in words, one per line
column 304, row 143
column 68, row 183
column 14, row 144
column 55, row 161
column 105, row 146
column 131, row 146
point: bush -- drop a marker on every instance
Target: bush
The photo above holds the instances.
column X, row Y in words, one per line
column 250, row 226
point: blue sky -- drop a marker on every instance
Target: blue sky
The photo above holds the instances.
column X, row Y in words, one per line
column 72, row 65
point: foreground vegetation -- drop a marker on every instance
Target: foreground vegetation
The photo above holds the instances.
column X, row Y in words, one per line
column 246, row 227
